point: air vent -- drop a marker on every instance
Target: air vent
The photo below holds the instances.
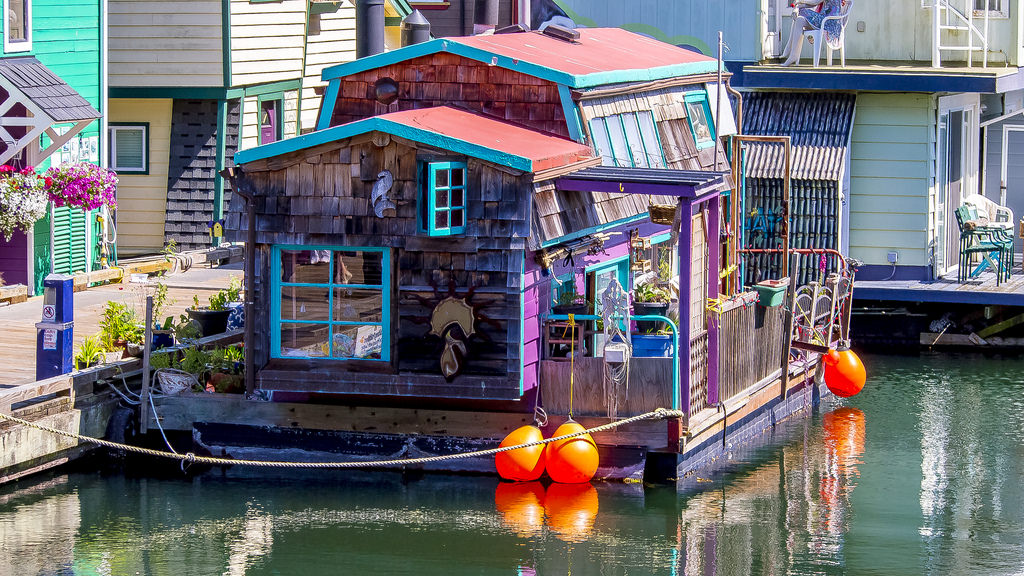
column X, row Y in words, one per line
column 513, row 29
column 562, row 33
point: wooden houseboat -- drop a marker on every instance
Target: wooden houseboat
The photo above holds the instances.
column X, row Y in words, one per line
column 407, row 255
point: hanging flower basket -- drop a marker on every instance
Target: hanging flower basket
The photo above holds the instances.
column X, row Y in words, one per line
column 81, row 185
column 23, row 199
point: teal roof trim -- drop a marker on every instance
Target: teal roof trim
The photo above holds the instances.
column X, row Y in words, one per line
column 453, row 46
column 327, row 105
column 378, row 124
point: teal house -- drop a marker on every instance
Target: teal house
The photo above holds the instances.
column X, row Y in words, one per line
column 51, row 100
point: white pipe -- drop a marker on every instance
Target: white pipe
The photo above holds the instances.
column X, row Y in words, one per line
column 936, row 60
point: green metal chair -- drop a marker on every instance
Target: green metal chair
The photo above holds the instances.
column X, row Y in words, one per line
column 993, row 244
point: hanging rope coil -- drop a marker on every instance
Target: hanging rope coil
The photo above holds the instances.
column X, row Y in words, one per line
column 191, row 458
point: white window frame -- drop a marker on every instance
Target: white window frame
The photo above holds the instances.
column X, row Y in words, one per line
column 114, row 128
column 999, row 11
column 26, row 44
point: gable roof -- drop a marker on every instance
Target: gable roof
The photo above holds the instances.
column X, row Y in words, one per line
column 448, row 128
column 46, row 90
column 601, row 56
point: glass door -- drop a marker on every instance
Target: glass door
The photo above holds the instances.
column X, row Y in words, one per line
column 599, row 277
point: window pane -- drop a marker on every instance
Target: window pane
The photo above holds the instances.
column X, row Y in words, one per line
column 128, row 147
column 441, row 199
column 305, row 266
column 649, row 134
column 16, row 21
column 441, row 220
column 358, row 342
column 458, row 176
column 458, row 200
column 441, row 179
column 618, row 139
column 600, row 135
column 636, row 144
column 699, row 121
column 304, row 303
column 358, row 305
column 304, row 340
column 358, row 268
column 457, row 218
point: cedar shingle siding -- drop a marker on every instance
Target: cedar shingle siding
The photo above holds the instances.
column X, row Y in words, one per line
column 192, row 168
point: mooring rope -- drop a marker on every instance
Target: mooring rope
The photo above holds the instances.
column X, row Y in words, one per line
column 191, row 458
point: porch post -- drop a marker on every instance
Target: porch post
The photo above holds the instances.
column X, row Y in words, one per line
column 685, row 262
column 714, row 282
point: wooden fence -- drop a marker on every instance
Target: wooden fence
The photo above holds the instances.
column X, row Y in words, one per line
column 752, row 341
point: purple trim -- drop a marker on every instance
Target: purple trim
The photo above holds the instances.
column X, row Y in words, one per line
column 713, row 266
column 578, row 185
column 685, row 261
column 14, row 259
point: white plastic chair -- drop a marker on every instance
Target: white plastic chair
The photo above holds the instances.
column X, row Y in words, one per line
column 998, row 216
column 817, row 35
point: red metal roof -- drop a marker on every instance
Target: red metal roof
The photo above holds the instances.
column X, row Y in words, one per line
column 598, row 50
column 542, row 150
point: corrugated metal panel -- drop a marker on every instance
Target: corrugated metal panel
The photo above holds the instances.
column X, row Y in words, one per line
column 818, row 123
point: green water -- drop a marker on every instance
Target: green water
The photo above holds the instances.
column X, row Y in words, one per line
column 920, row 474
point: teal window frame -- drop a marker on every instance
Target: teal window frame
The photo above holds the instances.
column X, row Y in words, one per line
column 566, row 285
column 17, row 46
column 601, row 129
column 700, row 96
column 621, row 266
column 433, row 191
column 659, row 242
column 112, row 160
column 385, row 287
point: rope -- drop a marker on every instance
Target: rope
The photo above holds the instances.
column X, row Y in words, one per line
column 191, row 458
column 572, row 359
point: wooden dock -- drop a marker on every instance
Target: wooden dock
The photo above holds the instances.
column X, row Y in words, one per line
column 18, row 339
column 982, row 290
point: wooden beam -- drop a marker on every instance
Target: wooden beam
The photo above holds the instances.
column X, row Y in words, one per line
column 1001, row 326
column 55, row 385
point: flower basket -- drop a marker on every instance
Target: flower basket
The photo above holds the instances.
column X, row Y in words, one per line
column 23, row 200
column 81, row 185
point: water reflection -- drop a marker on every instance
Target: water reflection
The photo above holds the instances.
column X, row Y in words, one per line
column 931, row 486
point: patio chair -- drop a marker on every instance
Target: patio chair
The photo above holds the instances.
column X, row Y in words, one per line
column 998, row 216
column 817, row 35
column 977, row 238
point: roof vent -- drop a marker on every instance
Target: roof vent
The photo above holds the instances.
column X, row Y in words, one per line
column 562, row 33
column 513, row 29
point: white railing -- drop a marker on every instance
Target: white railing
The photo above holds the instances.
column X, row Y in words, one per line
column 957, row 16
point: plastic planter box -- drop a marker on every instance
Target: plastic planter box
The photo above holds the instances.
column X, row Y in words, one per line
column 771, row 293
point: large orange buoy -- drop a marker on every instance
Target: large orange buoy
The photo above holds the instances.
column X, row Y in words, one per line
column 572, row 460
column 521, row 464
column 571, row 510
column 844, row 373
column 521, row 505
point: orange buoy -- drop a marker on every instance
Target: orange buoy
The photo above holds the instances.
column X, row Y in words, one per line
column 521, row 464
column 572, row 460
column 571, row 510
column 521, row 505
column 844, row 373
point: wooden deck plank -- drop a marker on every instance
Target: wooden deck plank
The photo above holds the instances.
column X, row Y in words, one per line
column 982, row 290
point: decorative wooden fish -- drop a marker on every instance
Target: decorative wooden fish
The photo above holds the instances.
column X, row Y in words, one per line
column 379, row 197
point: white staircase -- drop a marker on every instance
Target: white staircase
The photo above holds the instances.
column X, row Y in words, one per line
column 958, row 16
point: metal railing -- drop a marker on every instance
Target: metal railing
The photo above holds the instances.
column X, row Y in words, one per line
column 958, row 16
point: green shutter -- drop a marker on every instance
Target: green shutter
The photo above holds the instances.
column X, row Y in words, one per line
column 69, row 240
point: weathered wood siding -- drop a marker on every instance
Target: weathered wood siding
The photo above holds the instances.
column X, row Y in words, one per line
column 335, row 43
column 250, row 119
column 267, row 41
column 142, row 198
column 892, row 177
column 161, row 43
column 321, row 197
column 447, row 79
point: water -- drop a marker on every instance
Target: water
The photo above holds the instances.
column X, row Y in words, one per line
column 920, row 474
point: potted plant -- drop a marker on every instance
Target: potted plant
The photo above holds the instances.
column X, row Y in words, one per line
column 226, row 369
column 90, row 353
column 119, row 327
column 570, row 301
column 163, row 333
column 81, row 185
column 213, row 319
column 649, row 299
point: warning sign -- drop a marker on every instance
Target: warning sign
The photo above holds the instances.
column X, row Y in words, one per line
column 49, row 339
column 49, row 312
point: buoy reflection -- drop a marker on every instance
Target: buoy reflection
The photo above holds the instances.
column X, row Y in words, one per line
column 569, row 510
column 844, row 430
column 521, row 505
